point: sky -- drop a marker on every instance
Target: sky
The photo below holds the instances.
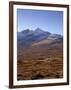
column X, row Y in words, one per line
column 51, row 21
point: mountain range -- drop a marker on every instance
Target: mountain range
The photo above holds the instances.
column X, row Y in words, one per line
column 36, row 37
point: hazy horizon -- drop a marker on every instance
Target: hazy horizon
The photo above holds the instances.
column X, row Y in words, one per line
column 51, row 21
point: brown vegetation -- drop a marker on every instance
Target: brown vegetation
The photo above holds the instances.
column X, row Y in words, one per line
column 40, row 62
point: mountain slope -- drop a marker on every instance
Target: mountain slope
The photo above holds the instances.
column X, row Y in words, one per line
column 28, row 37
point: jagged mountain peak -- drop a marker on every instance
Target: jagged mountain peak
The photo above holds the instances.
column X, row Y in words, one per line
column 39, row 30
column 25, row 31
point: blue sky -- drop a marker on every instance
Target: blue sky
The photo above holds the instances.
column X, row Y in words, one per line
column 51, row 21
